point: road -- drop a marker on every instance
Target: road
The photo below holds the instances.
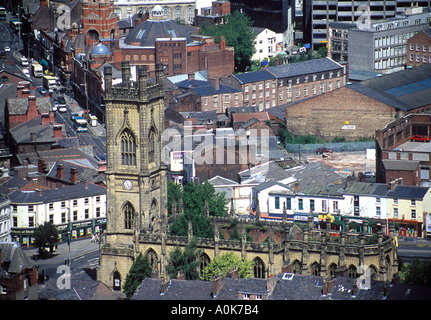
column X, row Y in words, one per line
column 84, row 259
column 413, row 248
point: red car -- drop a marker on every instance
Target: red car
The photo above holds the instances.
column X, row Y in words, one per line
column 323, row 150
column 419, row 138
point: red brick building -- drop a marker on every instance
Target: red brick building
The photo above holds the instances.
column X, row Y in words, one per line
column 399, row 158
column 419, row 49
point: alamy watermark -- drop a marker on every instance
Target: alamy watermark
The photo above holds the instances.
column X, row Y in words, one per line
column 364, row 21
column 64, row 280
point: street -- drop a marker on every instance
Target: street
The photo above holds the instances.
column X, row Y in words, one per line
column 84, row 259
column 413, row 248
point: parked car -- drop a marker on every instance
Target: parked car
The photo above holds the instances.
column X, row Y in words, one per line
column 369, row 174
column 419, row 138
column 6, row 49
column 323, row 150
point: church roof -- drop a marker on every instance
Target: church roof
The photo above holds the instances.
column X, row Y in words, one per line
column 146, row 33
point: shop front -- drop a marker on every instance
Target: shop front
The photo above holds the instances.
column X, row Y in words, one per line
column 81, row 229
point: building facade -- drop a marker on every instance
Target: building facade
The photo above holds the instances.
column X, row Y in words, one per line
column 419, row 49
column 382, row 47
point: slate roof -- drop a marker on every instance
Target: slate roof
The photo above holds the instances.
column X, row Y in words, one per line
column 17, row 106
column 43, row 133
column 81, row 289
column 208, row 90
column 13, row 258
column 312, row 174
column 50, row 195
column 268, row 184
column 298, row 288
column 248, row 77
column 232, row 288
column 401, row 165
column 408, row 192
column 407, row 89
column 150, row 289
column 146, row 33
column 304, row 67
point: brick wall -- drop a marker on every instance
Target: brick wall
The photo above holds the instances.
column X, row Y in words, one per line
column 419, row 50
column 342, row 112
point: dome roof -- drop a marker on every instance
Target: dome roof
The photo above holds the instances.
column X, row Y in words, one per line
column 146, row 33
column 100, row 49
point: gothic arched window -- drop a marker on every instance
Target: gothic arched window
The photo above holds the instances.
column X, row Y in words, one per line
column 128, row 148
column 259, row 268
column 151, row 146
column 128, row 211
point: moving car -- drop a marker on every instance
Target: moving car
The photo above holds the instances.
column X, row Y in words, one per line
column 419, row 138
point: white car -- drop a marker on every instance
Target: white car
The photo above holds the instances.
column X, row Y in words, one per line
column 7, row 49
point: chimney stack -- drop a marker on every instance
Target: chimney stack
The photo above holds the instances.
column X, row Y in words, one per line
column 58, row 129
column 60, row 171
column 217, row 284
column 73, row 175
column 222, row 43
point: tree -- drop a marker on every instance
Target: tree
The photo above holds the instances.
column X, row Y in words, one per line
column 418, row 273
column 140, row 269
column 45, row 236
column 194, row 196
column 186, row 261
column 224, row 263
column 238, row 34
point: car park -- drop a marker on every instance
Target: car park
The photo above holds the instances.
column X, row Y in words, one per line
column 419, row 138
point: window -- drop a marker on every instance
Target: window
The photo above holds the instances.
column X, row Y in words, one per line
column 63, row 217
column 31, row 221
column 413, row 202
column 288, row 204
column 128, row 212
column 277, row 202
column 297, row 92
column 305, row 91
column 312, row 205
column 378, row 211
column 413, row 212
column 75, row 215
column 151, row 146
column 128, row 148
column 395, row 212
column 300, row 204
column 87, row 213
column 97, row 212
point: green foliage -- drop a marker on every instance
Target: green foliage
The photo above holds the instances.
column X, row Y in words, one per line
column 140, row 270
column 194, row 196
column 186, row 260
column 224, row 263
column 237, row 33
column 320, row 53
column 418, row 273
column 45, row 237
column 287, row 137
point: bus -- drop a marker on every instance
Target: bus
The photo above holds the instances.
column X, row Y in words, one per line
column 80, row 124
column 92, row 120
column 36, row 69
column 3, row 13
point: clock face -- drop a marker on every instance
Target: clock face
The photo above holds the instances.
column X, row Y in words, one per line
column 127, row 184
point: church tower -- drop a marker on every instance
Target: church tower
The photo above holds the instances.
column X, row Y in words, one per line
column 136, row 176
